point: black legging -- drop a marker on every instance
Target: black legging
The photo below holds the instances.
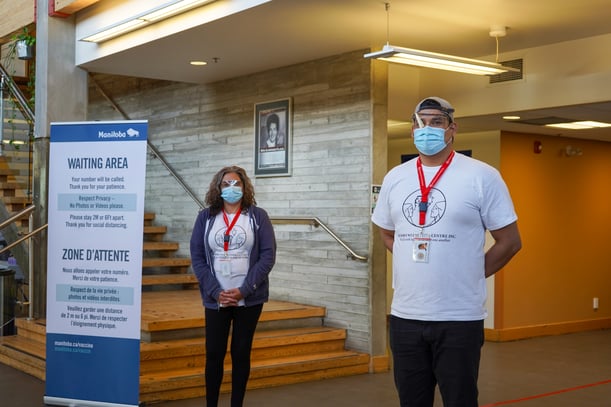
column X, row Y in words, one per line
column 218, row 324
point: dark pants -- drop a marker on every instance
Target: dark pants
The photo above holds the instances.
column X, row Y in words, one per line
column 218, row 324
column 429, row 353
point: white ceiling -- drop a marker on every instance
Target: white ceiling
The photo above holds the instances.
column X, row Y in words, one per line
column 285, row 32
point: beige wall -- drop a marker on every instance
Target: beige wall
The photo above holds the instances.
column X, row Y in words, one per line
column 564, row 217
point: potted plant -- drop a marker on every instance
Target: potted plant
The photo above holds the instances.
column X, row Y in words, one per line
column 24, row 44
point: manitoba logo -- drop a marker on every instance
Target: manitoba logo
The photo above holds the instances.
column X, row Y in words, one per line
column 436, row 207
column 133, row 132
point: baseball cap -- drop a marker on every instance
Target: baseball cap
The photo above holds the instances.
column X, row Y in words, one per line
column 434, row 102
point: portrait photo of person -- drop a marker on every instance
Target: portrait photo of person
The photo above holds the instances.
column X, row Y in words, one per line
column 272, row 138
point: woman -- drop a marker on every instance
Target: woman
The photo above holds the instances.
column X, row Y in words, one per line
column 233, row 249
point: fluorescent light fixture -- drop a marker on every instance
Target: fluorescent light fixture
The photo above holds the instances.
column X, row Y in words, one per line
column 408, row 56
column 511, row 117
column 148, row 17
column 579, row 125
column 115, row 31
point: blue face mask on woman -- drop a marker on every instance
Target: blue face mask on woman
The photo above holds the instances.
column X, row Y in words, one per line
column 430, row 140
column 231, row 194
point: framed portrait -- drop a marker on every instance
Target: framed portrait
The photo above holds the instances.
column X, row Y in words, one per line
column 273, row 138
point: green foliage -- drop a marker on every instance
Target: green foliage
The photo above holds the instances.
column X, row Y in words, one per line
column 25, row 35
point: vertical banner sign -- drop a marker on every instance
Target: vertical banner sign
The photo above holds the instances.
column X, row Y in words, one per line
column 94, row 275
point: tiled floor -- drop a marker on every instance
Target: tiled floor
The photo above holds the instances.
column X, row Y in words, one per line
column 557, row 371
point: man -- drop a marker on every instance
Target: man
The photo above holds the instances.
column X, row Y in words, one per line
column 433, row 212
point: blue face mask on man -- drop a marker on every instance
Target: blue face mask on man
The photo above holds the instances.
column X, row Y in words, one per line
column 430, row 140
column 231, row 194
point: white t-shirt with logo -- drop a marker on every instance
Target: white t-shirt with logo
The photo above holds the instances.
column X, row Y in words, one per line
column 469, row 198
column 231, row 266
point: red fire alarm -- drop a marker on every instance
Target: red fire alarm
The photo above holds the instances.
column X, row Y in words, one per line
column 538, row 147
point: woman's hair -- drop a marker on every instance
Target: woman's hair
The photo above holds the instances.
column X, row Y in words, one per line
column 213, row 196
column 273, row 118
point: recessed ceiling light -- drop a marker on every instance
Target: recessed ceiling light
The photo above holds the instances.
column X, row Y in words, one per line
column 579, row 125
column 511, row 117
column 198, row 63
column 595, row 124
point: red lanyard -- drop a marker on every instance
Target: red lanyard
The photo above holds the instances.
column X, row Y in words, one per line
column 425, row 190
column 229, row 227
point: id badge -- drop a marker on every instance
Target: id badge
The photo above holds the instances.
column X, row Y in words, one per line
column 225, row 267
column 421, row 249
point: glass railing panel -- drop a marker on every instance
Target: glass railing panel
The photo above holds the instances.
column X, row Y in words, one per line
column 15, row 141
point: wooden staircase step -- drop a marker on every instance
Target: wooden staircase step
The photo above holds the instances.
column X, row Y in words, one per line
column 187, row 353
column 304, row 363
column 171, row 310
column 168, row 279
column 148, row 262
column 10, row 185
column 16, row 200
column 279, row 337
column 161, row 385
column 34, row 329
column 24, row 354
column 279, row 310
column 19, row 168
column 160, row 246
column 180, row 309
column 26, row 345
column 149, row 217
column 155, row 230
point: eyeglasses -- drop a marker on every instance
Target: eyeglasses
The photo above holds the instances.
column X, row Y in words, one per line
column 433, row 120
column 231, row 183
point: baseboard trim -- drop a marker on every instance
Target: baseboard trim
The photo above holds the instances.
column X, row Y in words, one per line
column 512, row 334
column 379, row 364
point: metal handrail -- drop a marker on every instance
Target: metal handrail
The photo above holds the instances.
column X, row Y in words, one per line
column 23, row 105
column 314, row 221
column 17, row 216
column 29, row 235
column 24, row 237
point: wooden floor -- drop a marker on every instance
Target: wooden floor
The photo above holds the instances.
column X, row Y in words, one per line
column 169, row 310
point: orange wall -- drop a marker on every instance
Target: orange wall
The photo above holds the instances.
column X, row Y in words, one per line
column 564, row 210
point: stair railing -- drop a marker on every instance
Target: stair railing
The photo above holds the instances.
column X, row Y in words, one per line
column 31, row 233
column 314, row 221
column 14, row 90
column 19, row 102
